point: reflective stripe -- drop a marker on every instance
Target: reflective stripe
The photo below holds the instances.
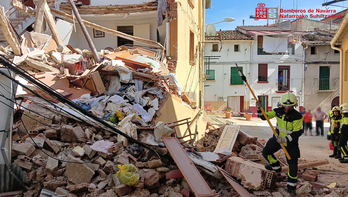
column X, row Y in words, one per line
column 271, row 160
column 344, row 153
column 276, row 167
column 284, row 130
column 289, row 138
column 291, row 176
column 291, row 184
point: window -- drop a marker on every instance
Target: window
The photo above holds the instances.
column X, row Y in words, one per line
column 235, row 77
column 215, row 48
column 192, row 47
column 263, row 72
column 127, row 30
column 211, row 74
column 324, row 78
column 236, row 48
column 283, row 78
column 313, row 51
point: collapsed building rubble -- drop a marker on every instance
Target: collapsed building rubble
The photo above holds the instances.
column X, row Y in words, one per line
column 88, row 128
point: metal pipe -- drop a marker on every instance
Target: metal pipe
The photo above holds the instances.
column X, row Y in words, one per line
column 84, row 30
column 307, row 165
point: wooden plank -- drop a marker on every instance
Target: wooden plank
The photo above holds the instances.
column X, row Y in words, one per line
column 51, row 23
column 41, row 66
column 9, row 33
column 187, row 167
column 98, row 82
column 239, row 189
column 39, row 17
column 228, row 137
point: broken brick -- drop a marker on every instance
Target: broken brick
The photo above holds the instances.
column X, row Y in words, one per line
column 174, row 174
column 78, row 173
column 24, row 148
column 55, row 183
column 100, row 161
column 122, row 189
column 51, row 133
column 89, row 151
column 79, row 133
column 52, row 165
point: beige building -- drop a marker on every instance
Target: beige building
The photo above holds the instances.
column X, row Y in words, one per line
column 321, row 81
column 340, row 43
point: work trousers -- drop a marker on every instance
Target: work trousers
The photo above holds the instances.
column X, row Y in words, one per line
column 273, row 146
column 319, row 124
column 343, row 143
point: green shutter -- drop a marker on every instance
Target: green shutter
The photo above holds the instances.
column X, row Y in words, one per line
column 235, row 77
column 211, row 74
column 324, row 78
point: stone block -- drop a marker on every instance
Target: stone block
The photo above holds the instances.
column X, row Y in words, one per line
column 93, row 166
column 89, row 151
column 100, row 161
column 39, row 142
column 52, row 146
column 154, row 163
column 80, row 134
column 122, row 189
column 24, row 148
column 51, row 133
column 61, row 191
column 52, row 165
column 78, row 173
column 67, row 134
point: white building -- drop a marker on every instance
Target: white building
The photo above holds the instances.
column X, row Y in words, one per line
column 224, row 87
column 272, row 52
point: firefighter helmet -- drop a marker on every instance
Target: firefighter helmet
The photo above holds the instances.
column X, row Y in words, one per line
column 336, row 108
column 344, row 108
column 288, row 99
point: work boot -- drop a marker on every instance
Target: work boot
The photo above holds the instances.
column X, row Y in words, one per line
column 274, row 168
column 338, row 156
column 334, row 152
column 344, row 160
column 291, row 190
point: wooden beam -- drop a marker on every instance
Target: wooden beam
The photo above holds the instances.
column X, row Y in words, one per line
column 9, row 33
column 51, row 23
column 39, row 17
column 41, row 66
column 30, row 11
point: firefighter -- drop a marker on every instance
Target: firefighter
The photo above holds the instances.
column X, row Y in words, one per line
column 289, row 129
column 334, row 131
column 342, row 145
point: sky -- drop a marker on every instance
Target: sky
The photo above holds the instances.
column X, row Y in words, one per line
column 242, row 9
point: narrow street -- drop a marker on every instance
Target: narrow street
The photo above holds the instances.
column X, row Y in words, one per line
column 313, row 148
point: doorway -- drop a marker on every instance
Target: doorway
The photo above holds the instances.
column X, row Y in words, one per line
column 236, row 103
column 264, row 101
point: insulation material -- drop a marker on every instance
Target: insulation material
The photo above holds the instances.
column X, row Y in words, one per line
column 275, row 45
column 162, row 130
column 127, row 127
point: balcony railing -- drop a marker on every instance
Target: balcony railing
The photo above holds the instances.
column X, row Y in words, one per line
column 324, row 84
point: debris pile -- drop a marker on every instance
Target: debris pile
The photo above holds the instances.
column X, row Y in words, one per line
column 87, row 127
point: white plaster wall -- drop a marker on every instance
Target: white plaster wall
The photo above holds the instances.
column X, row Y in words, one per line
column 221, row 86
column 112, row 21
column 324, row 53
column 116, row 2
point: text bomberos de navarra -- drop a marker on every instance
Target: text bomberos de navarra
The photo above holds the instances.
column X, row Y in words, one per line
column 313, row 13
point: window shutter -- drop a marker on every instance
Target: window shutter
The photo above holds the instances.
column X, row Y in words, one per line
column 235, row 77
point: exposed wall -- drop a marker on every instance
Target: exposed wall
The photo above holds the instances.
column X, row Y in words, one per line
column 188, row 75
column 344, row 72
column 112, row 21
column 309, row 25
column 323, row 53
column 320, row 98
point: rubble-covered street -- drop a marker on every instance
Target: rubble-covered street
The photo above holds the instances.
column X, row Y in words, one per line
column 88, row 123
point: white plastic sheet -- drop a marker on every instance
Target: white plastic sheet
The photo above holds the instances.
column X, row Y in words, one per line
column 275, row 45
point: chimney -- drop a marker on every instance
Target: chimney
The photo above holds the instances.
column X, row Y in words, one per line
column 243, row 22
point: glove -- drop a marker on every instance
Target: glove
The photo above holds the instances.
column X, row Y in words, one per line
column 282, row 140
column 258, row 105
